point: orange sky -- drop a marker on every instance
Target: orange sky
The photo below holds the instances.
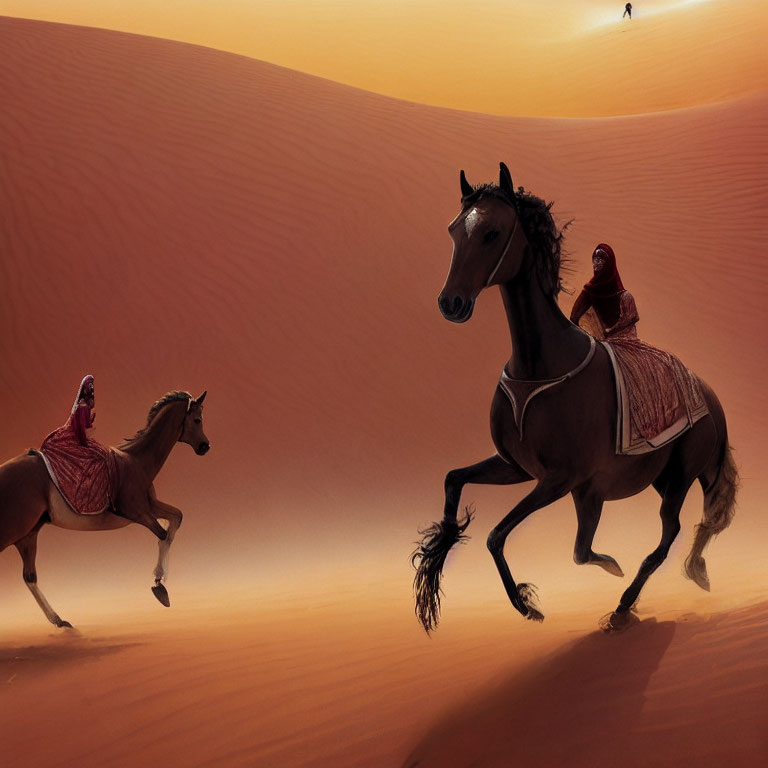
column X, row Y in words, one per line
column 559, row 58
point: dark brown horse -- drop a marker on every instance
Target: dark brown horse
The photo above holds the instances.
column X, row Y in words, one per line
column 561, row 434
column 29, row 499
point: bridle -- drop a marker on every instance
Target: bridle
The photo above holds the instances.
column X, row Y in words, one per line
column 184, row 422
column 504, row 252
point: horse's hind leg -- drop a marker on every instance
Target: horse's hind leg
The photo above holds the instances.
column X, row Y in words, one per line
column 671, row 505
column 719, row 485
column 174, row 517
column 588, row 510
column 28, row 550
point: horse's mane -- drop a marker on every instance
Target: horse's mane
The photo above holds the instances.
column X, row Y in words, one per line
column 540, row 230
column 157, row 406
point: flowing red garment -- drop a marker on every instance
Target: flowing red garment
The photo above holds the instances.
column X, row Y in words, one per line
column 82, row 469
column 658, row 397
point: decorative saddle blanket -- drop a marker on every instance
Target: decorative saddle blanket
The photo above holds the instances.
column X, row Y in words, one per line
column 658, row 397
column 85, row 475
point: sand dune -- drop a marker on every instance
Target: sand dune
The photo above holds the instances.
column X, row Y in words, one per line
column 356, row 688
column 665, row 694
column 180, row 217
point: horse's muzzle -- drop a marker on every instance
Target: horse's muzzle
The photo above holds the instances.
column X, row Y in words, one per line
column 202, row 449
column 457, row 309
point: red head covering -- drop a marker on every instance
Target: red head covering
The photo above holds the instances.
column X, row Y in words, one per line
column 85, row 385
column 605, row 288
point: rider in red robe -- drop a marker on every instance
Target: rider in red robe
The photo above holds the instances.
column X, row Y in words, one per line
column 662, row 391
column 82, row 469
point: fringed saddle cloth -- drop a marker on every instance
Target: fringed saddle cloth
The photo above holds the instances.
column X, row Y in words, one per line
column 658, row 397
column 86, row 476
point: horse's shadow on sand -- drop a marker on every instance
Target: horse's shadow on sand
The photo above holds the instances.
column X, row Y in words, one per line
column 27, row 661
column 577, row 707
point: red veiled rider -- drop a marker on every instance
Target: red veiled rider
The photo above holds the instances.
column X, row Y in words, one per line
column 605, row 293
column 82, row 469
column 663, row 395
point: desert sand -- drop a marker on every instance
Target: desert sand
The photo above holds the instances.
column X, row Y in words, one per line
column 179, row 217
column 345, row 686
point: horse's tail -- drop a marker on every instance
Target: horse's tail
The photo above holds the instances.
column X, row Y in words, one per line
column 719, row 508
column 428, row 560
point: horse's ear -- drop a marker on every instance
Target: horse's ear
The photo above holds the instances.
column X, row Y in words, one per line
column 199, row 400
column 505, row 180
column 466, row 187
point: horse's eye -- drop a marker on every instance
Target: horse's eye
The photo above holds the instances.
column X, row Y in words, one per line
column 490, row 236
column 198, row 421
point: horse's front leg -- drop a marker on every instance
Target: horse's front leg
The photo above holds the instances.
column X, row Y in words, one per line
column 522, row 595
column 174, row 517
column 438, row 538
column 139, row 506
column 493, row 471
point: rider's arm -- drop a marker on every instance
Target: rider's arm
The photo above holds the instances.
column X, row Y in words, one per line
column 627, row 313
column 580, row 306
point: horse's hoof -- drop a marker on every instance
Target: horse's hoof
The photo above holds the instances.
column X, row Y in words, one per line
column 696, row 570
column 63, row 624
column 700, row 579
column 528, row 597
column 161, row 593
column 534, row 615
column 613, row 568
column 618, row 621
column 703, row 583
column 607, row 563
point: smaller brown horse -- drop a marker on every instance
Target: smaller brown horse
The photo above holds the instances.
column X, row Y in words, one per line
column 29, row 499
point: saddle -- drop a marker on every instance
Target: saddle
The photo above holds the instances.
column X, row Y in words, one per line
column 85, row 477
column 658, row 398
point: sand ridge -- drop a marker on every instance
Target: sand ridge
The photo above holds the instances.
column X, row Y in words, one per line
column 555, row 59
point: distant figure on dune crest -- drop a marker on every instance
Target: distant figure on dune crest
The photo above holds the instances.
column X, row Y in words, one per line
column 627, row 11
column 82, row 468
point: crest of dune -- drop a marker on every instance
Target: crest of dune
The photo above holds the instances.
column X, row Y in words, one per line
column 555, row 58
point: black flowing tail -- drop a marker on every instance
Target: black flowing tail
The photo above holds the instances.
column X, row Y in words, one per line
column 428, row 560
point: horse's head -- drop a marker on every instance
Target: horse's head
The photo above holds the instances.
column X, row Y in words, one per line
column 488, row 245
column 192, row 431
